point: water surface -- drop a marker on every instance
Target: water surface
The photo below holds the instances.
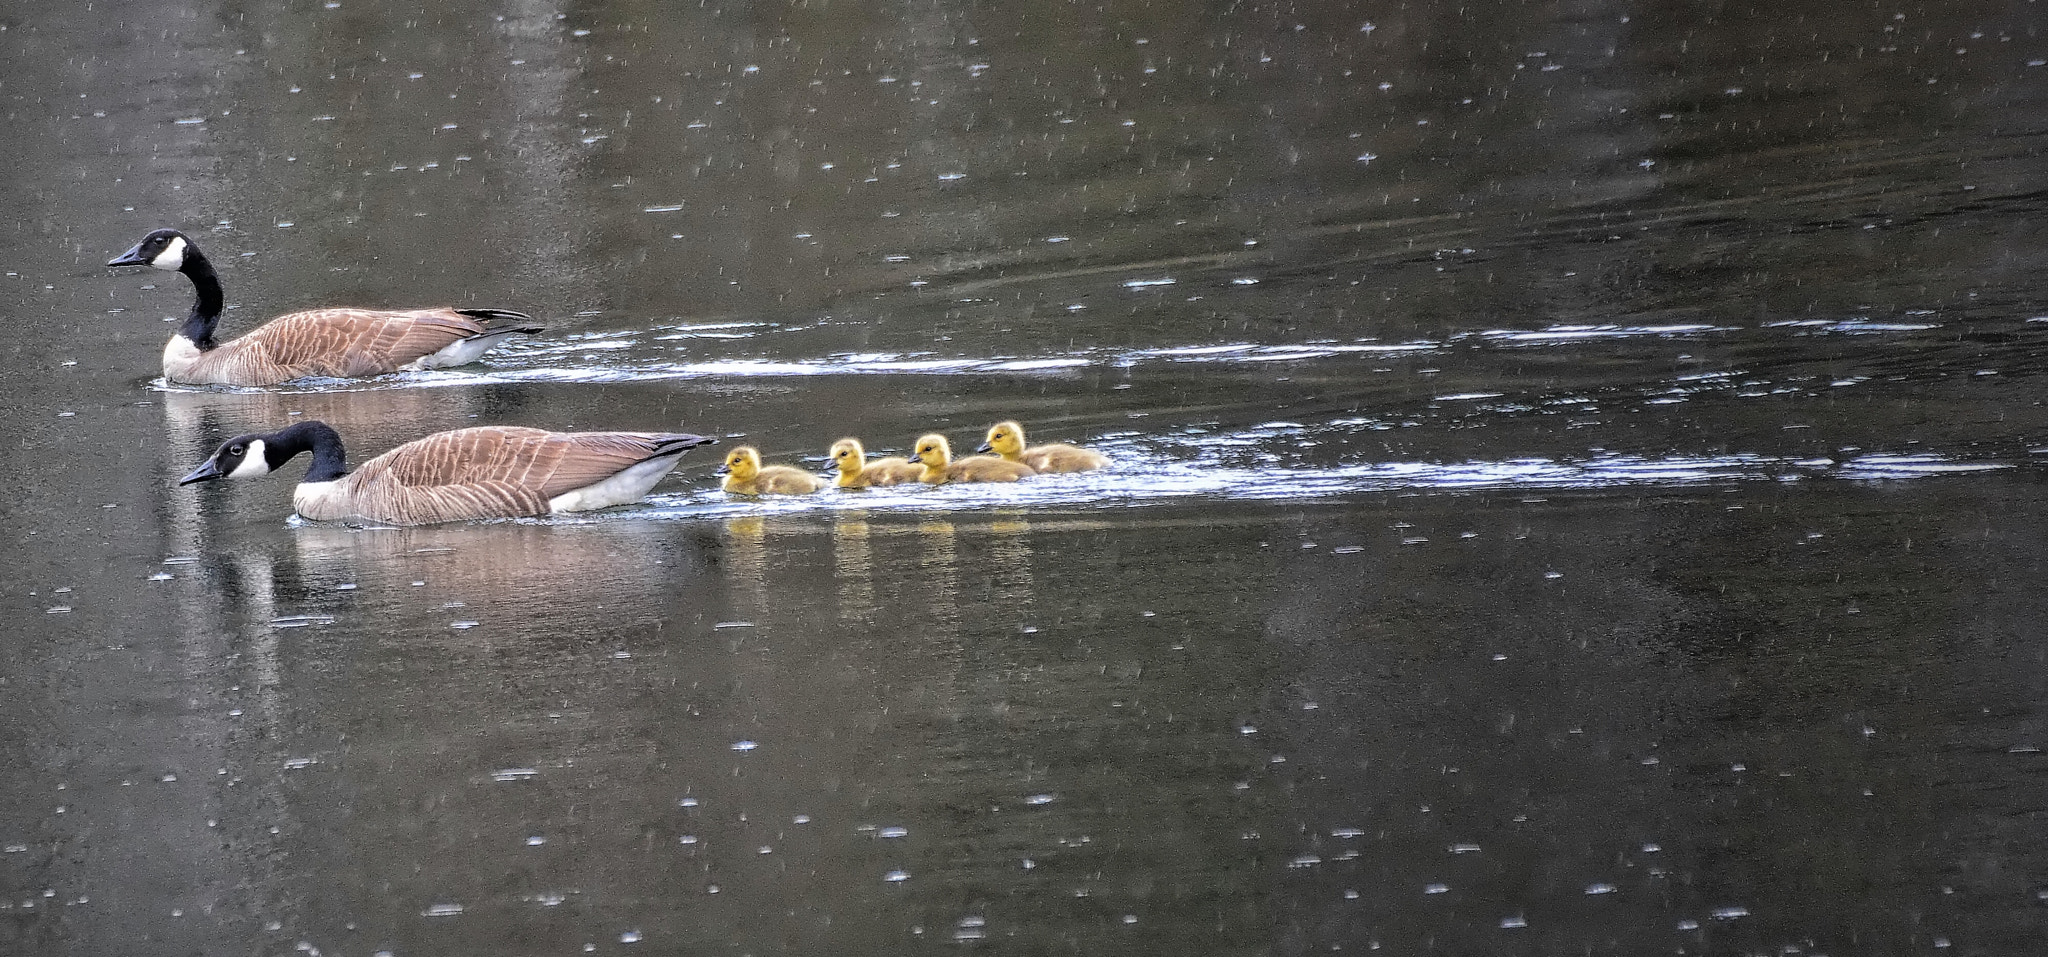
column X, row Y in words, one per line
column 1575, row 488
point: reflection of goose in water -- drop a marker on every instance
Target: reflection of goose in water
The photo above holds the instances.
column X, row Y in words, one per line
column 551, row 581
column 333, row 342
column 745, row 475
column 856, row 472
column 853, row 566
column 939, row 467
column 1007, row 440
column 487, row 472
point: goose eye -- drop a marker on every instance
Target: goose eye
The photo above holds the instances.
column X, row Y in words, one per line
column 236, row 450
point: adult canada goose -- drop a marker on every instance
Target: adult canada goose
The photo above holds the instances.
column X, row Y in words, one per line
column 856, row 472
column 745, row 475
column 494, row 471
column 1007, row 440
column 939, row 468
column 338, row 342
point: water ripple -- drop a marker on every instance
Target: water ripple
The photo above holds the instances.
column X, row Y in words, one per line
column 650, row 355
column 1142, row 479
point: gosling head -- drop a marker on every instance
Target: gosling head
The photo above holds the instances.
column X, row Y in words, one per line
column 848, row 457
column 1005, row 439
column 165, row 249
column 742, row 463
column 933, row 452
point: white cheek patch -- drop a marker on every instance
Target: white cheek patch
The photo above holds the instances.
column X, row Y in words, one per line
column 253, row 463
column 173, row 256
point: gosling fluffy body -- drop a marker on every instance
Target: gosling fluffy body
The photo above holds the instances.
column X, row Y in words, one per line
column 856, row 472
column 1007, row 440
column 487, row 472
column 939, row 467
column 745, row 475
column 341, row 343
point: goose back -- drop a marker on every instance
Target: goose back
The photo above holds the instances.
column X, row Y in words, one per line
column 496, row 472
column 340, row 343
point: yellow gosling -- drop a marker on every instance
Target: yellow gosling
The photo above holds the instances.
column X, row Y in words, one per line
column 855, row 471
column 745, row 475
column 939, row 468
column 1007, row 440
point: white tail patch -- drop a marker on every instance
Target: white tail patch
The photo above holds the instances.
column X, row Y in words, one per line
column 461, row 352
column 173, row 256
column 630, row 485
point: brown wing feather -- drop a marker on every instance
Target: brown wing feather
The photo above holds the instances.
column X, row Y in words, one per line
column 508, row 465
column 345, row 343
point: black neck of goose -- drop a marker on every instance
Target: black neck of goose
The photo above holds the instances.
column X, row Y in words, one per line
column 206, row 307
column 330, row 462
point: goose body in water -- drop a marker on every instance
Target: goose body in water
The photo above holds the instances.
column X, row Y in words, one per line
column 745, row 475
column 486, row 472
column 855, row 471
column 940, row 467
column 1007, row 440
column 342, row 343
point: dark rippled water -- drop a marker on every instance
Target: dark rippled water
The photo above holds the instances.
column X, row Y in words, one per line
column 1576, row 481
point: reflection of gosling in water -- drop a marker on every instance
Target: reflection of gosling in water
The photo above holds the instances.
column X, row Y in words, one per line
column 1007, row 440
column 856, row 472
column 939, row 467
column 745, row 475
